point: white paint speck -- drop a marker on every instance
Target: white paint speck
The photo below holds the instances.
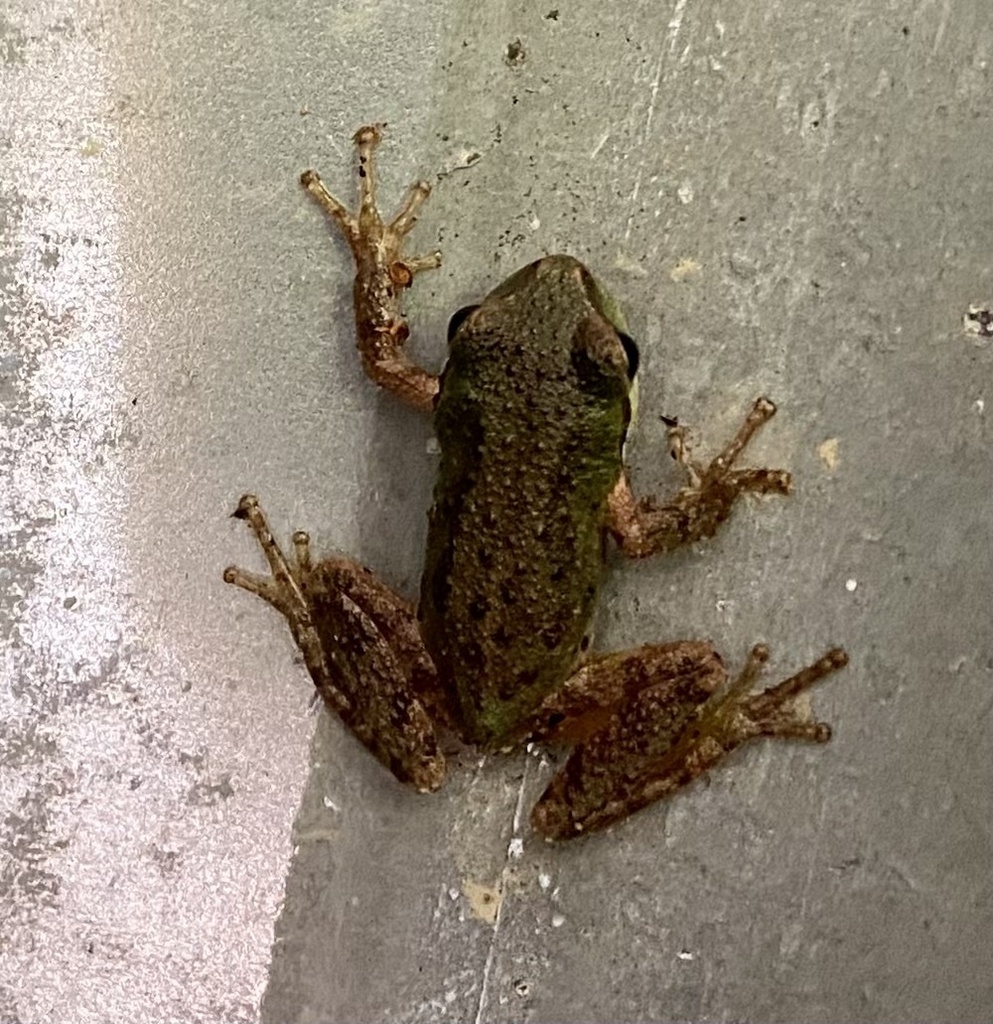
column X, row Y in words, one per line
column 544, row 880
column 850, row 585
column 980, row 405
column 558, row 920
column 685, row 193
column 515, row 849
column 685, row 954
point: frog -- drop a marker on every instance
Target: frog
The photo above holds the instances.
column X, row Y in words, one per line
column 531, row 413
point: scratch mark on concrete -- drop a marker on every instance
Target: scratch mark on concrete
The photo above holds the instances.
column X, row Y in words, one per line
column 494, row 938
column 942, row 25
column 674, row 25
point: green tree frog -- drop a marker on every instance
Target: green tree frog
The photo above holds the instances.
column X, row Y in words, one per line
column 531, row 412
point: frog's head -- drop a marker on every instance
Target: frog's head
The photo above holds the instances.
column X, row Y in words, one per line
column 613, row 345
column 550, row 291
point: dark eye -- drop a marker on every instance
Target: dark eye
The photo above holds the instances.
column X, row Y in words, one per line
column 631, row 350
column 458, row 319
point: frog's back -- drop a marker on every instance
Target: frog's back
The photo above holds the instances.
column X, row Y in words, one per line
column 531, row 422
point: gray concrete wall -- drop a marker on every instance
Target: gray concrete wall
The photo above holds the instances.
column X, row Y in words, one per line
column 788, row 198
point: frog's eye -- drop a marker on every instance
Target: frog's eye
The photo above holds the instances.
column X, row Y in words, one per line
column 458, row 319
column 631, row 351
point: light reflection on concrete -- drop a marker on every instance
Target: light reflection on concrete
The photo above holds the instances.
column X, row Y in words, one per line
column 135, row 886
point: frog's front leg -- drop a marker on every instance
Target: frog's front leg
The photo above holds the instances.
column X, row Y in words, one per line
column 363, row 649
column 382, row 272
column 648, row 526
column 650, row 721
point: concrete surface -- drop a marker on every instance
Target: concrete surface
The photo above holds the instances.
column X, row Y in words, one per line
column 792, row 199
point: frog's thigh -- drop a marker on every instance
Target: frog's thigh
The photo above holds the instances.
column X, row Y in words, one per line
column 625, row 711
column 668, row 677
column 374, row 655
column 671, row 732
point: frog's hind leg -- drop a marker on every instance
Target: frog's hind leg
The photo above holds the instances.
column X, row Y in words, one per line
column 361, row 645
column 671, row 731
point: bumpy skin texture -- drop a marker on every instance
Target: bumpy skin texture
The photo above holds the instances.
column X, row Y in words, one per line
column 531, row 414
column 362, row 647
column 514, row 556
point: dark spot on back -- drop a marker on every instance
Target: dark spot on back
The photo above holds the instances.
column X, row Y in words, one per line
column 552, row 635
